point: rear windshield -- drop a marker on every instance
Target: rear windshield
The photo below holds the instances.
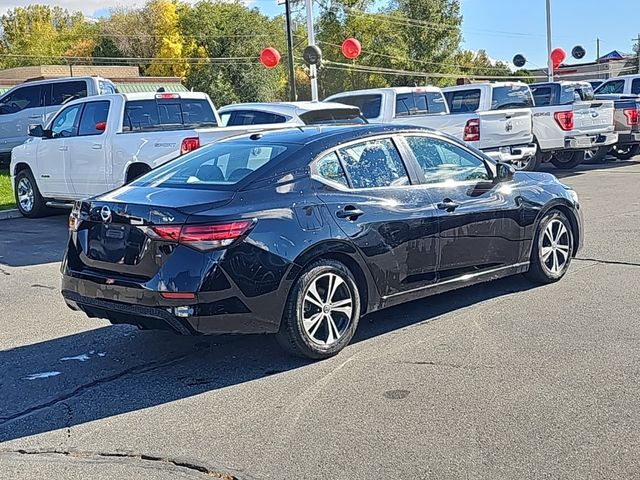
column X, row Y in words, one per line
column 332, row 116
column 218, row 165
column 369, row 105
column 419, row 103
column 575, row 93
column 167, row 114
column 463, row 101
column 515, row 96
column 542, row 95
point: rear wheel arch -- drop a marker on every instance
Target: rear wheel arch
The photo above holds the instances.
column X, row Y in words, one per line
column 134, row 170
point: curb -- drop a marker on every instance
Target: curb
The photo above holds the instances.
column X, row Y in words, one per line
column 8, row 214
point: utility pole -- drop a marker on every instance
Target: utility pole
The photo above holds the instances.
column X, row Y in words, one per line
column 313, row 72
column 549, row 42
column 598, row 56
column 638, row 45
column 292, row 73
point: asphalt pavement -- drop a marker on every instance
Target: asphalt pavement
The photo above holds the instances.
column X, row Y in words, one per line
column 497, row 381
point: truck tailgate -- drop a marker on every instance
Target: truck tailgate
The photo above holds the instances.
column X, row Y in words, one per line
column 593, row 117
column 500, row 128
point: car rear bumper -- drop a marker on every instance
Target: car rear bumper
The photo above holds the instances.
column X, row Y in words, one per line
column 584, row 142
column 628, row 138
column 512, row 153
column 223, row 312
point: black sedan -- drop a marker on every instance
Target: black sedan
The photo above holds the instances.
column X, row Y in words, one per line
column 300, row 232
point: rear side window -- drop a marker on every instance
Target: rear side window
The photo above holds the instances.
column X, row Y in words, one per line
column 635, row 86
column 369, row 105
column 374, row 163
column 463, row 101
column 94, row 118
column 21, row 99
column 63, row 92
column 515, row 96
column 216, row 166
column 254, row 117
column 575, row 93
column 329, row 167
column 332, row 116
column 167, row 114
column 542, row 95
column 419, row 103
column 615, row 86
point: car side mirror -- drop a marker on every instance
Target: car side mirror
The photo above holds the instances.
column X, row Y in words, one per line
column 36, row 131
column 504, row 172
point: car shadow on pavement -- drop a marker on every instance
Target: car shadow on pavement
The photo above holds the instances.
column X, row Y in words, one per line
column 585, row 168
column 108, row 371
column 33, row 241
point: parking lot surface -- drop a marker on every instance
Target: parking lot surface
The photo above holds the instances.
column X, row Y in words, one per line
column 498, row 381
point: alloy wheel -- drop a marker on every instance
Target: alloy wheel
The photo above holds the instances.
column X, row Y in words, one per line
column 555, row 249
column 327, row 309
column 26, row 195
column 521, row 164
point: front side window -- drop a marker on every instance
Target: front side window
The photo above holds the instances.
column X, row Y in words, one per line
column 216, row 166
column 374, row 163
column 635, row 87
column 21, row 99
column 616, row 86
column 254, row 117
column 443, row 162
column 94, row 118
column 329, row 167
column 66, row 123
column 369, row 104
column 514, row 96
column 463, row 101
column 64, row 92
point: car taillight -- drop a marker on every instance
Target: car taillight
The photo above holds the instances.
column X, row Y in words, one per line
column 564, row 120
column 202, row 237
column 472, row 130
column 632, row 115
column 189, row 145
column 74, row 218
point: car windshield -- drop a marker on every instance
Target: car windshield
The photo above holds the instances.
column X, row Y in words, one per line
column 513, row 96
column 217, row 166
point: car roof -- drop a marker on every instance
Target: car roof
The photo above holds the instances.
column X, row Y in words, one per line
column 284, row 108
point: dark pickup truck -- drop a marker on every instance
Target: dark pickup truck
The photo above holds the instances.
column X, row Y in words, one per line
column 627, row 123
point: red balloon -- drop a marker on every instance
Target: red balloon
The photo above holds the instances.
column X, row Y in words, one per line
column 270, row 57
column 351, row 48
column 558, row 56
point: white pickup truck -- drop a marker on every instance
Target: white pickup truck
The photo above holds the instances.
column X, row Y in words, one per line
column 568, row 121
column 96, row 144
column 504, row 135
column 624, row 84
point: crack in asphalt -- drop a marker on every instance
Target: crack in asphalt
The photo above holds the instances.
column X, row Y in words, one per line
column 608, row 262
column 450, row 365
column 144, row 368
column 162, row 461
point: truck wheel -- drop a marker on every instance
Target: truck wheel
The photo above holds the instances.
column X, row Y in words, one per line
column 567, row 160
column 30, row 202
column 528, row 164
column 626, row 152
column 596, row 155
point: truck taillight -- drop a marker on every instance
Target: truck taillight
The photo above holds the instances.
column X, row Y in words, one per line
column 472, row 130
column 564, row 120
column 632, row 115
column 189, row 145
column 202, row 237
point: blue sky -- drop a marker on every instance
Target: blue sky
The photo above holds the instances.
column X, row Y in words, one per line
column 519, row 26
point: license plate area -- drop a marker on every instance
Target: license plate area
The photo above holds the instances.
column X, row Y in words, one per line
column 115, row 243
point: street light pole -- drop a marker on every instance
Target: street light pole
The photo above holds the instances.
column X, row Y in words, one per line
column 313, row 73
column 549, row 42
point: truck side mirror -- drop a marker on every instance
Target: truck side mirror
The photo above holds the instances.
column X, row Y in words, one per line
column 36, row 131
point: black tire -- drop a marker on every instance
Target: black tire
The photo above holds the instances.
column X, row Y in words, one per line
column 36, row 207
column 566, row 160
column 293, row 336
column 626, row 152
column 597, row 155
column 540, row 269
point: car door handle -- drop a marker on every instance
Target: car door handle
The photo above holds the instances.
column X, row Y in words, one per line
column 448, row 205
column 63, row 149
column 96, row 146
column 35, row 116
column 350, row 212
